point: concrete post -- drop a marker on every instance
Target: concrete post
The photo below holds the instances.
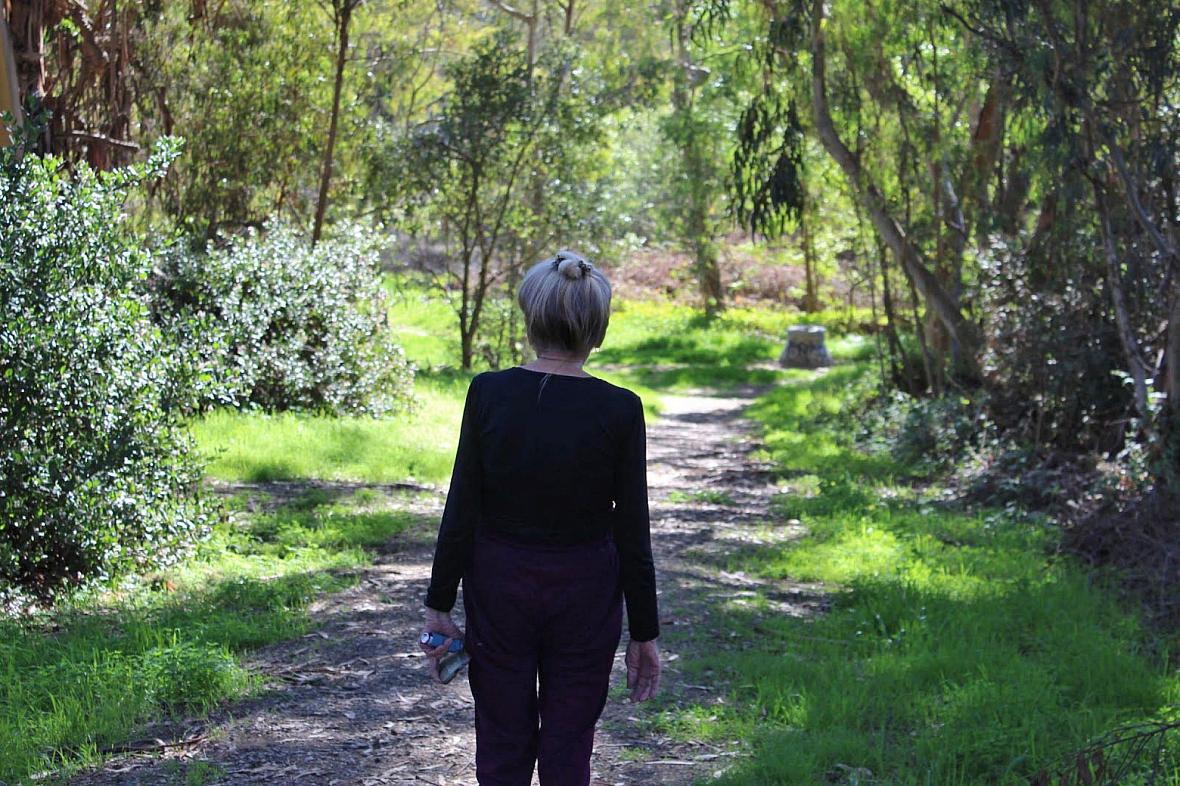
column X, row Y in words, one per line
column 805, row 348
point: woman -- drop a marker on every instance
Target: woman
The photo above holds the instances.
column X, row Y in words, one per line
column 546, row 523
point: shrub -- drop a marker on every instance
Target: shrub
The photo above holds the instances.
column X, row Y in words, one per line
column 279, row 325
column 187, row 675
column 96, row 473
column 925, row 435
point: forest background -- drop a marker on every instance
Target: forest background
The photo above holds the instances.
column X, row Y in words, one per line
column 993, row 181
column 209, row 204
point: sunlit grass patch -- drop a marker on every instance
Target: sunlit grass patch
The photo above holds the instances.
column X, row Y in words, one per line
column 655, row 332
column 959, row 648
column 422, row 322
column 675, row 346
column 690, row 377
column 851, row 346
column 169, row 642
column 255, row 446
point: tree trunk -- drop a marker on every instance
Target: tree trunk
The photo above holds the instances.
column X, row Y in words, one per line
column 531, row 21
column 987, row 140
column 467, row 344
column 9, row 89
column 342, row 19
column 1172, row 356
column 534, row 19
column 1126, row 330
column 569, row 17
column 811, row 284
column 27, row 23
column 896, row 350
column 700, row 234
column 961, row 330
column 709, row 275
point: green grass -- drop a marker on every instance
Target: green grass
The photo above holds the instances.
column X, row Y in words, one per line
column 420, row 446
column 674, row 347
column 88, row 674
column 958, row 648
column 423, row 322
column 709, row 496
column 254, row 446
column 91, row 672
column 193, row 773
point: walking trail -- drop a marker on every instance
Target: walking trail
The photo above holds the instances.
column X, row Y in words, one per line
column 353, row 702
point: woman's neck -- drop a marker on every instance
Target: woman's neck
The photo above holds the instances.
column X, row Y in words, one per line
column 556, row 362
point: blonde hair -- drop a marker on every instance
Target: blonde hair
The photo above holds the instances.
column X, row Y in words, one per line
column 566, row 303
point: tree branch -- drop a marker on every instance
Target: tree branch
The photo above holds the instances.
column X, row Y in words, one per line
column 511, row 11
column 910, row 258
column 1129, row 186
column 105, row 140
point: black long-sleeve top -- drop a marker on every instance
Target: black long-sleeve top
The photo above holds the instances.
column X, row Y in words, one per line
column 550, row 458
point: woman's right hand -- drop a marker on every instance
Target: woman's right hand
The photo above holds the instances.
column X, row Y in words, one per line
column 439, row 622
column 643, row 669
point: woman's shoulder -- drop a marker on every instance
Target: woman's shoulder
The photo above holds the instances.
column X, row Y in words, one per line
column 623, row 394
column 516, row 375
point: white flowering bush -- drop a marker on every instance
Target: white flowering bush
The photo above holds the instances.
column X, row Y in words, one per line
column 279, row 325
column 96, row 470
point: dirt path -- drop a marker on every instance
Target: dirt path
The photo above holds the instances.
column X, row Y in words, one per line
column 355, row 704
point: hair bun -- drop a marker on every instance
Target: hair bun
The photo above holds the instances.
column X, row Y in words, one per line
column 569, row 268
column 571, row 265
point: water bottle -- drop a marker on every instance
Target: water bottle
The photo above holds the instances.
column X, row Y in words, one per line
column 453, row 661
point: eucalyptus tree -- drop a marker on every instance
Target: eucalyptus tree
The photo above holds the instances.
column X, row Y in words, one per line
column 1100, row 84
column 77, row 60
column 923, row 139
column 464, row 170
column 244, row 83
column 1018, row 160
column 341, row 12
column 695, row 127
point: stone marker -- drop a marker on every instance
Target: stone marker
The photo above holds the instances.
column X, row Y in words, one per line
column 805, row 348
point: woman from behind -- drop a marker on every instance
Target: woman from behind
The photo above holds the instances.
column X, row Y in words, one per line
column 546, row 526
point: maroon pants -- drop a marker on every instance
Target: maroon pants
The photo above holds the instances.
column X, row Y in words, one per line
column 548, row 612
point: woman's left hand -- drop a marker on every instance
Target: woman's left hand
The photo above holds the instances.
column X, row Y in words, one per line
column 439, row 622
column 643, row 669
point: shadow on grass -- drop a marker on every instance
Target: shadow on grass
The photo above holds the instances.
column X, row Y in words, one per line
column 445, row 376
column 723, row 378
column 694, row 349
column 933, row 665
column 900, row 684
column 90, row 674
